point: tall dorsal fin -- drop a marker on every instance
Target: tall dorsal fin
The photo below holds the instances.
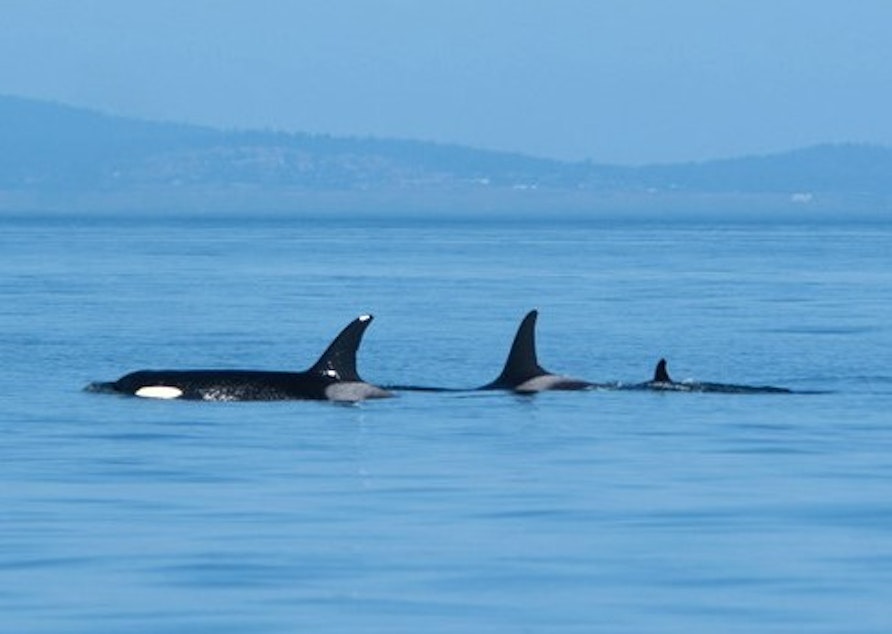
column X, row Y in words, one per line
column 521, row 364
column 339, row 359
column 661, row 375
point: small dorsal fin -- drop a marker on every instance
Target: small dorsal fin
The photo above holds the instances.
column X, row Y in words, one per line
column 661, row 375
column 522, row 364
column 339, row 359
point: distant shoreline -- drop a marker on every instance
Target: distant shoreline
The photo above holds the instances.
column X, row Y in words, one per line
column 56, row 159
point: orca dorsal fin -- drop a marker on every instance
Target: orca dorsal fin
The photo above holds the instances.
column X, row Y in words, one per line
column 339, row 359
column 661, row 375
column 522, row 364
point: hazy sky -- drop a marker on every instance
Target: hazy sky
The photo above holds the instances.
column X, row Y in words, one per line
column 629, row 81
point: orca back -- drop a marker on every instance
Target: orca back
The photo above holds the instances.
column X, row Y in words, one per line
column 522, row 364
column 661, row 374
column 662, row 381
column 339, row 359
column 333, row 377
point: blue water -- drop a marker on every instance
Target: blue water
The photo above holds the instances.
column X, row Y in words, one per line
column 567, row 512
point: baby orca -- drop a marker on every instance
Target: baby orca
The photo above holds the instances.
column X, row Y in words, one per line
column 663, row 382
column 333, row 377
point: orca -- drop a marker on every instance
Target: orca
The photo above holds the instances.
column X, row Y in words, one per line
column 522, row 373
column 662, row 382
column 333, row 377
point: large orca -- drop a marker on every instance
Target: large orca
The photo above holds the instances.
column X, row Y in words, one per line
column 661, row 381
column 333, row 377
column 522, row 372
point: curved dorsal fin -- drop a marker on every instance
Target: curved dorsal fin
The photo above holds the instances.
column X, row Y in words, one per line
column 521, row 364
column 661, row 375
column 339, row 359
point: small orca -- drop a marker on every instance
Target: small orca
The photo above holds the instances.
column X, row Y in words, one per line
column 663, row 382
column 522, row 373
column 333, row 377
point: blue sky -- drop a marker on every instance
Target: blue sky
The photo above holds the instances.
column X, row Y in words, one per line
column 625, row 81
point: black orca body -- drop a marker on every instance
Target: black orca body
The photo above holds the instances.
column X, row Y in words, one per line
column 333, row 377
column 522, row 373
column 662, row 382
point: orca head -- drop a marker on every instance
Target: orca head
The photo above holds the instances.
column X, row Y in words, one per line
column 522, row 364
column 661, row 375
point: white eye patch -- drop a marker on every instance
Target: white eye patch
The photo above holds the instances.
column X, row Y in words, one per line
column 159, row 391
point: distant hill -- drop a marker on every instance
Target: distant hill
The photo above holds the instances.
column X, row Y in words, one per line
column 47, row 145
column 52, row 155
column 831, row 168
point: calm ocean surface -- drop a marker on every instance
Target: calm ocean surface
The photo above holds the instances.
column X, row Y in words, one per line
column 619, row 512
